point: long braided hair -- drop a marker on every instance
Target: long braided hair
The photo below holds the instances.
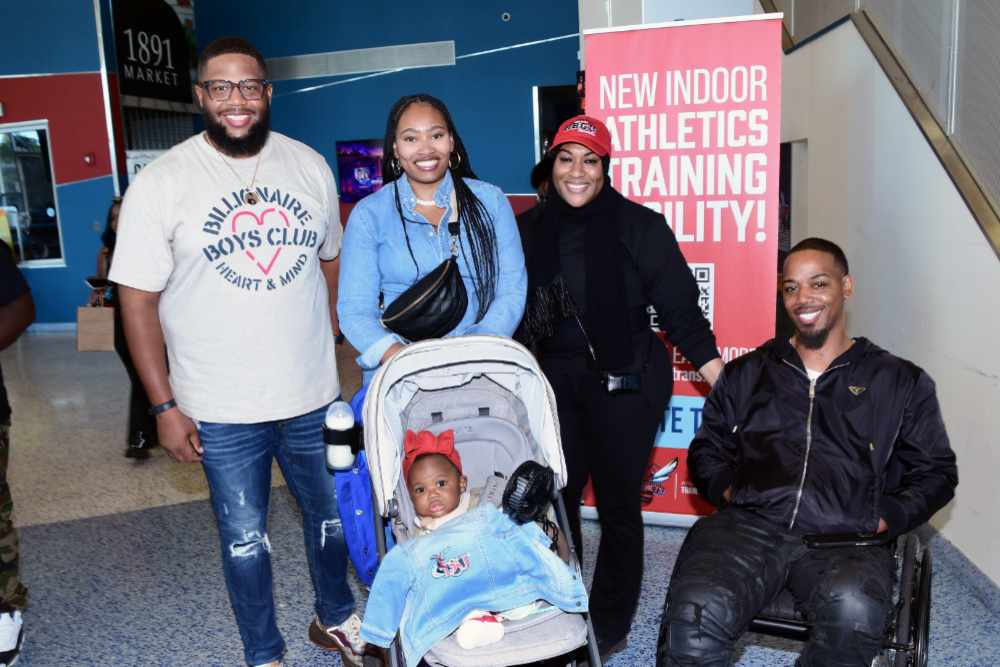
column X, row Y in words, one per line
column 472, row 214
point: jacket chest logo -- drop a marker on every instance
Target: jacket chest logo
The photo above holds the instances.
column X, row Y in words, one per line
column 856, row 390
column 449, row 567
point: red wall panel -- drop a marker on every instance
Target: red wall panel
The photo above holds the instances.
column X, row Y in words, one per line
column 74, row 106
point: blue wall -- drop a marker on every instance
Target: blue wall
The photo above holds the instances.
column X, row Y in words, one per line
column 44, row 36
column 58, row 291
column 489, row 96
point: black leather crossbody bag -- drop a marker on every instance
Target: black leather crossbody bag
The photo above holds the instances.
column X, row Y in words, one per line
column 435, row 304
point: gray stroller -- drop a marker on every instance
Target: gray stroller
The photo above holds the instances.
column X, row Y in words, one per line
column 492, row 393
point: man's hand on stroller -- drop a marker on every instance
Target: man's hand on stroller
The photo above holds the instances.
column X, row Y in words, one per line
column 179, row 436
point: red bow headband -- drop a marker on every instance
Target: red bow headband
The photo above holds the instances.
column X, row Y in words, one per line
column 425, row 442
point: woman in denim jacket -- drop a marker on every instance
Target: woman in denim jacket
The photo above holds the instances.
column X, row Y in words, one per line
column 394, row 236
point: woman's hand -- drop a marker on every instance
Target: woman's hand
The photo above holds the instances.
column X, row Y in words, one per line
column 711, row 370
column 391, row 352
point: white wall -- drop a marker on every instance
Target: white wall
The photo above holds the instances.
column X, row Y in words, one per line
column 927, row 280
column 611, row 13
column 660, row 11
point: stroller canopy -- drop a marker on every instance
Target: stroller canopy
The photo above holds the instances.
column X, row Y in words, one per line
column 464, row 372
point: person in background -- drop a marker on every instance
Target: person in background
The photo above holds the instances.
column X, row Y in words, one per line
column 141, row 435
column 394, row 236
column 17, row 311
column 108, row 238
column 595, row 262
column 540, row 182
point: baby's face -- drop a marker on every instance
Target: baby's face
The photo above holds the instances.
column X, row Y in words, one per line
column 435, row 486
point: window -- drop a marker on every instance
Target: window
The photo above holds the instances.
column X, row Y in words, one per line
column 29, row 219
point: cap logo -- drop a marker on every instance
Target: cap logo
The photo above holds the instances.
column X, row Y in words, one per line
column 582, row 126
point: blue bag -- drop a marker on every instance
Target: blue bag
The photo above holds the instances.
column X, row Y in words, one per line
column 354, row 497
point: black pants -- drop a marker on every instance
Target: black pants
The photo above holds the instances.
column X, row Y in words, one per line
column 608, row 438
column 141, row 425
column 731, row 566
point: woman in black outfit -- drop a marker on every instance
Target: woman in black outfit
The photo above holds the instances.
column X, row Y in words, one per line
column 141, row 425
column 595, row 261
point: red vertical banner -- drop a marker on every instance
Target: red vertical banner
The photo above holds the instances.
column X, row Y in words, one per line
column 693, row 108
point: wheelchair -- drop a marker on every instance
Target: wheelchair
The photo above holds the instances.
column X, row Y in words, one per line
column 905, row 644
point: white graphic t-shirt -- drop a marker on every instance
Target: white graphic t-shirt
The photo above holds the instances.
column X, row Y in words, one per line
column 244, row 306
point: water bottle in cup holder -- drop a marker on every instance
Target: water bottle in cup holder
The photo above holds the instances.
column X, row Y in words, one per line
column 340, row 436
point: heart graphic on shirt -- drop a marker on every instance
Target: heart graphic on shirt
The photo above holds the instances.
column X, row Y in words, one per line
column 265, row 269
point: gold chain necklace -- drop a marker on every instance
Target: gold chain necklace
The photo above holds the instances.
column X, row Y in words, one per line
column 251, row 196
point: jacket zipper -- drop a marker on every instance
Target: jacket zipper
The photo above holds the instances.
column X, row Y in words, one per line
column 805, row 460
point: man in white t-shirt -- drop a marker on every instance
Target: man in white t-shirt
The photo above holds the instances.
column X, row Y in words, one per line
column 226, row 254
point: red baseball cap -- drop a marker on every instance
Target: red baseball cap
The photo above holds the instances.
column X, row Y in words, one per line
column 418, row 444
column 584, row 130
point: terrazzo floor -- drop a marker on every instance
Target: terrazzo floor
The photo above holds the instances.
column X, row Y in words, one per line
column 122, row 563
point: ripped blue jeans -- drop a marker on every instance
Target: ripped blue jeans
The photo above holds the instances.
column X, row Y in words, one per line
column 237, row 463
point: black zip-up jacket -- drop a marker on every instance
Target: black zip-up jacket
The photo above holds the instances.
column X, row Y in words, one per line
column 865, row 442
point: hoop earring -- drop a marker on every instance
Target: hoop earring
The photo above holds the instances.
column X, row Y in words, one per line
column 455, row 166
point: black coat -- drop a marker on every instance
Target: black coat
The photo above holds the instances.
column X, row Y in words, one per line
column 655, row 274
column 867, row 442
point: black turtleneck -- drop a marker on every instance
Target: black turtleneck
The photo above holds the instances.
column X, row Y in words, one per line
column 582, row 245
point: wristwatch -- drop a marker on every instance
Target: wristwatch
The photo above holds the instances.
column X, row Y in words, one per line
column 162, row 407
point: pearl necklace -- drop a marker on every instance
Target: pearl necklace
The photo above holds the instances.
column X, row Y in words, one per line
column 425, row 202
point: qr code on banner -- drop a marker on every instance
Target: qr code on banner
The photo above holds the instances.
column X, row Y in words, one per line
column 704, row 275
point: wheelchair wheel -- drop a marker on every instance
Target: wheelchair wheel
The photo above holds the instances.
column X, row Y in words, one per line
column 922, row 621
column 907, row 579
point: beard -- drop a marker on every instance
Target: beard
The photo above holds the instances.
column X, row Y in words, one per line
column 246, row 146
column 812, row 340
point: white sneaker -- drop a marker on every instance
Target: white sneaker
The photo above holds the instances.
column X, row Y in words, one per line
column 11, row 637
column 345, row 638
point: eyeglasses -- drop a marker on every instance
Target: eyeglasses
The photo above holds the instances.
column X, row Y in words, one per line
column 220, row 90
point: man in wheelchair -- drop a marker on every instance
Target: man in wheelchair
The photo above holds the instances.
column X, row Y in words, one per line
column 820, row 434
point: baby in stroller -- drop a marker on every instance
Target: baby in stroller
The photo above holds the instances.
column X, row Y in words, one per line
column 473, row 566
column 439, row 491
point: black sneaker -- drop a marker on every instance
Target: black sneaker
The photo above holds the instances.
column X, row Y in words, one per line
column 11, row 637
